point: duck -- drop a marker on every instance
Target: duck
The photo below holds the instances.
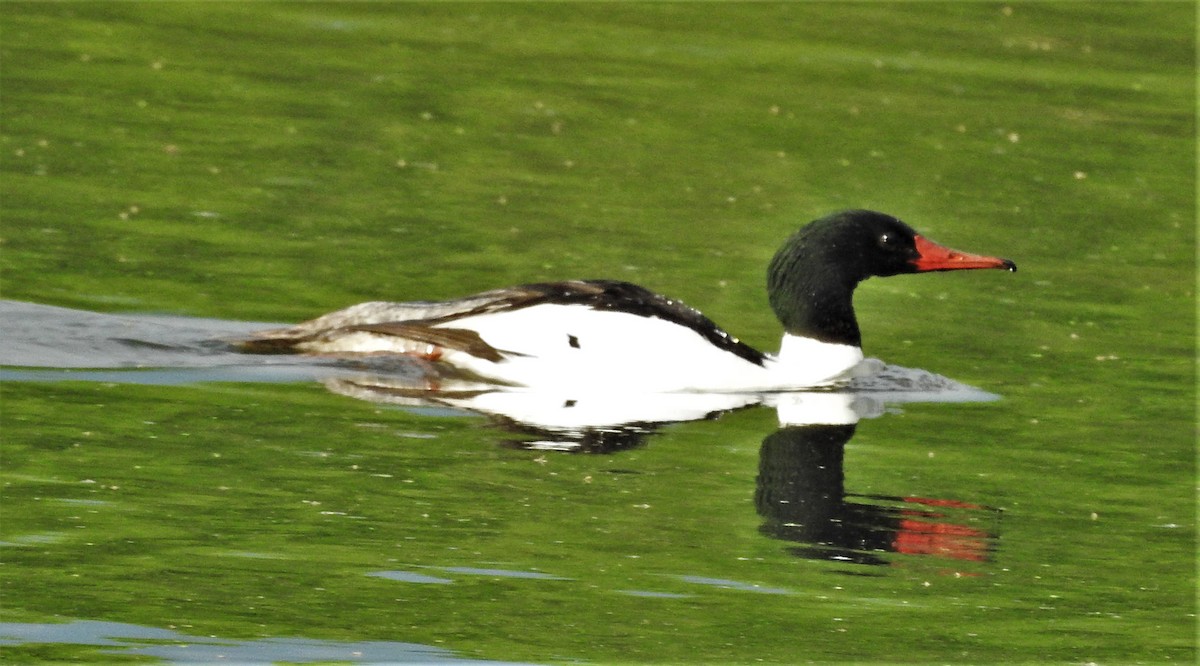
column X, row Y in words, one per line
column 610, row 335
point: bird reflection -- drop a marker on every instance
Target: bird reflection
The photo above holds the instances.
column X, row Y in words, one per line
column 800, row 491
column 574, row 423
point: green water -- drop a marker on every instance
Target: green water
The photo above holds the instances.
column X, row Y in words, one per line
column 272, row 162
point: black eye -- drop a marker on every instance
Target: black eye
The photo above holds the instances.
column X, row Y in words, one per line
column 887, row 240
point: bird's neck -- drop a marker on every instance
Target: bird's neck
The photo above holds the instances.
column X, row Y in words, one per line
column 818, row 309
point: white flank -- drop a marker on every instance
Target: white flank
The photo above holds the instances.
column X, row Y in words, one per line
column 556, row 346
column 600, row 351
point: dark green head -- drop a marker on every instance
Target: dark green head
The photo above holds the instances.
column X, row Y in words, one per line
column 811, row 280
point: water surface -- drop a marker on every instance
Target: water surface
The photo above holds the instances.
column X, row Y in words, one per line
column 197, row 164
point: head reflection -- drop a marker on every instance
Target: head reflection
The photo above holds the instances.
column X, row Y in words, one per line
column 801, row 497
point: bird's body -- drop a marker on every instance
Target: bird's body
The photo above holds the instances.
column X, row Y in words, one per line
column 611, row 335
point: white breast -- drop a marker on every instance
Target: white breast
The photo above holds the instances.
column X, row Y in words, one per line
column 814, row 362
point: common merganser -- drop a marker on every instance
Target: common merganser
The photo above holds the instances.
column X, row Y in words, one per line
column 611, row 335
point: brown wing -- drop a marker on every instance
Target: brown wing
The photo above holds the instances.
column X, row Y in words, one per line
column 459, row 339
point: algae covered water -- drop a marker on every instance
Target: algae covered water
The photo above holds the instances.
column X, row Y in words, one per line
column 213, row 164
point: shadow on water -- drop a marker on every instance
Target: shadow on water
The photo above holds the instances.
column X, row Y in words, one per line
column 800, row 491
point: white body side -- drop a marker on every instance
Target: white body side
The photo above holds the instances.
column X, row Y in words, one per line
column 555, row 346
column 574, row 346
